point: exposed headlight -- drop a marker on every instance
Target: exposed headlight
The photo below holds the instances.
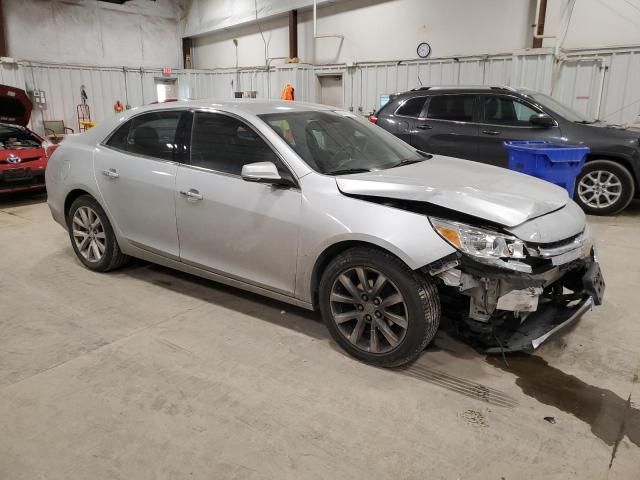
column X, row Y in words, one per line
column 479, row 243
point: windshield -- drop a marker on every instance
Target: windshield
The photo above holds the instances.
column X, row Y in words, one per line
column 13, row 138
column 560, row 108
column 337, row 143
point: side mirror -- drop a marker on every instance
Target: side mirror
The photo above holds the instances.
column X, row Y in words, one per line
column 541, row 120
column 264, row 172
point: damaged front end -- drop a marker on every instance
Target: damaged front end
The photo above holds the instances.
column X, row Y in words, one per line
column 506, row 295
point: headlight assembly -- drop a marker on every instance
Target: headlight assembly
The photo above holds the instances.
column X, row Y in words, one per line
column 483, row 245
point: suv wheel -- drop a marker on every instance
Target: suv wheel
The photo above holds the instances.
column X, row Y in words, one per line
column 604, row 187
column 377, row 308
column 92, row 237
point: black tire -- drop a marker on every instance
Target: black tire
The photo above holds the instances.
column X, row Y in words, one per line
column 420, row 297
column 626, row 189
column 112, row 257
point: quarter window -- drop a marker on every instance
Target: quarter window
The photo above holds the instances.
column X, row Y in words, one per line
column 507, row 111
column 412, row 107
column 451, row 107
column 225, row 144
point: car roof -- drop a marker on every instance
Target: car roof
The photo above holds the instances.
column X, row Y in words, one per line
column 253, row 106
column 464, row 89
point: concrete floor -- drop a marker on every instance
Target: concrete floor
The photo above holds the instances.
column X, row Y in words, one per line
column 149, row 374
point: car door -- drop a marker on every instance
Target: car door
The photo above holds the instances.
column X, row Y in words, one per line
column 244, row 230
column 136, row 175
column 446, row 126
column 405, row 117
column 504, row 118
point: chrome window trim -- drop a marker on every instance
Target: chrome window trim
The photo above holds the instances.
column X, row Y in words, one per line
column 525, row 101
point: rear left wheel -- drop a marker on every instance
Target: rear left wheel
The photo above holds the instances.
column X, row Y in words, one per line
column 377, row 308
column 92, row 236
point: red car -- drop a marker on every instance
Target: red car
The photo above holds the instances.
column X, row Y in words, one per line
column 23, row 154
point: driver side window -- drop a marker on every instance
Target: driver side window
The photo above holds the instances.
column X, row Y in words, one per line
column 225, row 144
column 507, row 111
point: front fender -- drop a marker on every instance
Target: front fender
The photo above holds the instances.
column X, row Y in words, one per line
column 330, row 218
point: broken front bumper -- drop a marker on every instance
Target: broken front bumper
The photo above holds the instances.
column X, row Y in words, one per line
column 502, row 311
column 538, row 327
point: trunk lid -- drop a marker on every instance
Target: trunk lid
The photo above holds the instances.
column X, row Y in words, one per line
column 491, row 193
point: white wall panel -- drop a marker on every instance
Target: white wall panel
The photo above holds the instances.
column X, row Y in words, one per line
column 447, row 25
column 89, row 32
column 576, row 83
column 621, row 99
column 579, row 83
column 12, row 74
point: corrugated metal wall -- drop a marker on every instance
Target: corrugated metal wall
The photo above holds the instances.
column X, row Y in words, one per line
column 579, row 83
column 576, row 83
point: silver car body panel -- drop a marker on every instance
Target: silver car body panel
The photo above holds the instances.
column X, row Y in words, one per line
column 271, row 244
column 559, row 225
column 492, row 193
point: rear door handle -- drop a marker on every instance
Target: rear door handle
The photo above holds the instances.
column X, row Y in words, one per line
column 424, row 126
column 111, row 173
column 192, row 194
column 491, row 132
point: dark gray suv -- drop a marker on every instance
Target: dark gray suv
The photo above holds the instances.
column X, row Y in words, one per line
column 473, row 123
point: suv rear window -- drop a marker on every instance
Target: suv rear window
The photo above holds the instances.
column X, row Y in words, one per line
column 412, row 107
column 451, row 107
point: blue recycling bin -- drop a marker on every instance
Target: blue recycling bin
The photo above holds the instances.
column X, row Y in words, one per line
column 554, row 162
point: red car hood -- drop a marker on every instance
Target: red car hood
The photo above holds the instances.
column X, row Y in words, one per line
column 15, row 106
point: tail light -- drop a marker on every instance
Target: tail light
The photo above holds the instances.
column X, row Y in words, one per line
column 373, row 119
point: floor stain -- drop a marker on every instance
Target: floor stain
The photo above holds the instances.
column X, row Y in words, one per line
column 475, row 418
column 610, row 416
column 459, row 385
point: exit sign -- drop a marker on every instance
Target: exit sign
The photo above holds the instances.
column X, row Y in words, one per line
column 167, row 71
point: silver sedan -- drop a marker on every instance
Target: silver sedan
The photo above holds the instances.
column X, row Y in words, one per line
column 316, row 207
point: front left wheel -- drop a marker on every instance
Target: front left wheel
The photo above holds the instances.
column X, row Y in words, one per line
column 377, row 308
column 92, row 236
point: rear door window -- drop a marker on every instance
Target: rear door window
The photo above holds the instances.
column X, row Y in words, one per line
column 154, row 134
column 151, row 134
column 457, row 108
column 411, row 107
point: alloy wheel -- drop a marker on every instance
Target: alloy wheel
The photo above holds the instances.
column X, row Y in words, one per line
column 369, row 310
column 88, row 234
column 599, row 189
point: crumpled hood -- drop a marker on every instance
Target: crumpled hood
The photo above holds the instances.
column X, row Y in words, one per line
column 491, row 193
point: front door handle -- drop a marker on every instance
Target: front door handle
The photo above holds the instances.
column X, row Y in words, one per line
column 424, row 126
column 111, row 173
column 491, row 132
column 192, row 194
